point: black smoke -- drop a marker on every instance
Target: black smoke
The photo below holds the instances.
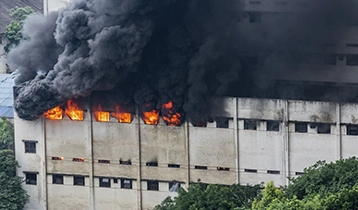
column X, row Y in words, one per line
column 152, row 52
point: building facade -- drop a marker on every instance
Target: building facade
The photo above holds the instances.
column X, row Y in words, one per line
column 110, row 165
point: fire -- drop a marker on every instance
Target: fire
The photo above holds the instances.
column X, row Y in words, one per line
column 54, row 114
column 73, row 111
column 151, row 118
column 101, row 116
column 172, row 119
column 123, row 117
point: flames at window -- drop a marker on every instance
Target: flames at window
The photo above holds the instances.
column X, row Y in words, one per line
column 151, row 117
column 55, row 113
column 100, row 115
column 123, row 117
column 73, row 111
column 170, row 118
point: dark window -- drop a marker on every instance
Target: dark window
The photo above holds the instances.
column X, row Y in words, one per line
column 222, row 122
column 79, row 180
column 223, row 169
column 255, row 17
column 151, row 164
column 153, row 185
column 104, row 182
column 341, row 57
column 323, row 128
column 174, row 186
column 126, row 183
column 30, row 147
column 330, row 59
column 57, row 179
column 250, row 170
column 301, row 127
column 352, row 130
column 173, row 166
column 201, row 167
column 31, row 178
column 78, row 159
column 125, row 162
column 273, row 172
column 57, row 158
column 352, row 60
column 273, row 125
column 0, row 39
column 104, row 161
column 300, row 173
column 250, row 124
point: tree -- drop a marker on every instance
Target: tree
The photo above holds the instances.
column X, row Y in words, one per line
column 6, row 134
column 13, row 30
column 12, row 196
column 215, row 197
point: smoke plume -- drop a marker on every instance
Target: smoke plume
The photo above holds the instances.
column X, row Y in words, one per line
column 152, row 52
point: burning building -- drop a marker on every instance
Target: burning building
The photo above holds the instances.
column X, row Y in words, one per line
column 120, row 102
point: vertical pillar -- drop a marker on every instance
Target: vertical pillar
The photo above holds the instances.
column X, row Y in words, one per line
column 44, row 166
column 339, row 131
column 186, row 130
column 286, row 143
column 236, row 139
column 139, row 175
column 91, row 161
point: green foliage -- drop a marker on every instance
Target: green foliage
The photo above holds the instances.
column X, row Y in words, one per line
column 13, row 30
column 12, row 196
column 6, row 134
column 323, row 178
column 201, row 196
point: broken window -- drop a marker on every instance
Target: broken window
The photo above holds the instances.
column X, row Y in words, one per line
column 104, row 161
column 250, row 170
column 126, row 183
column 151, row 164
column 174, row 186
column 57, row 158
column 57, row 179
column 323, row 128
column 78, row 159
column 173, row 166
column 352, row 60
column 273, row 125
column 125, row 162
column 250, row 124
column 201, row 167
column 31, row 178
column 104, row 182
column 79, row 180
column 30, row 146
column 301, row 127
column 153, row 185
column 223, row 169
column 352, row 130
column 273, row 172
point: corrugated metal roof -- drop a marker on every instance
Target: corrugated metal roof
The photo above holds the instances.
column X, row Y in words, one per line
column 6, row 95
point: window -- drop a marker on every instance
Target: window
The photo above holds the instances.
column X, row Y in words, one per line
column 273, row 172
column 78, row 159
column 104, row 161
column 79, row 180
column 201, row 167
column 57, row 158
column 31, row 178
column 223, row 169
column 174, row 186
column 125, row 162
column 222, row 122
column 250, row 124
column 104, row 182
column 30, row 147
column 323, row 128
column 330, row 60
column 352, row 130
column 272, row 125
column 173, row 166
column 255, row 17
column 153, row 185
column 301, row 127
column 300, row 173
column 352, row 60
column 250, row 170
column 126, row 184
column 57, row 179
column 151, row 164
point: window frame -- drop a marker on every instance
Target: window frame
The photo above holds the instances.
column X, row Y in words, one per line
column 29, row 178
column 29, row 149
column 171, row 184
column 301, row 127
column 272, row 124
column 250, row 124
column 322, row 130
column 81, row 183
column 153, row 185
column 57, row 179
column 126, row 185
column 102, row 183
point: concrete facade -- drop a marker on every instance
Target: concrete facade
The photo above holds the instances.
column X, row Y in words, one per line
column 248, row 150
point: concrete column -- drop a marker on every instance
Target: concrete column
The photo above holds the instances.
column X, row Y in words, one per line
column 43, row 171
column 286, row 143
column 186, row 130
column 139, row 175
column 236, row 136
column 91, row 161
column 339, row 131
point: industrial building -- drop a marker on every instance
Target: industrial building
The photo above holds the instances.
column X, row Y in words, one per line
column 103, row 159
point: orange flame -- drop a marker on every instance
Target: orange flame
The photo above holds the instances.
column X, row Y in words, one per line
column 123, row 117
column 73, row 111
column 151, row 118
column 54, row 113
column 170, row 118
column 101, row 116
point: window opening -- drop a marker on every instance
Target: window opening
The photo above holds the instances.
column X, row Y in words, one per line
column 30, row 147
column 201, row 167
column 126, row 184
column 301, row 127
column 104, row 161
column 223, row 169
column 79, row 180
column 250, row 124
column 273, row 125
column 324, row 128
column 125, row 162
column 31, row 178
column 222, row 122
column 78, row 159
column 330, row 59
column 250, row 170
column 352, row 130
column 104, row 182
column 57, row 179
column 57, row 158
column 255, row 17
column 151, row 164
column 173, row 166
column 273, row 172
column 174, row 186
column 153, row 185
column 352, row 60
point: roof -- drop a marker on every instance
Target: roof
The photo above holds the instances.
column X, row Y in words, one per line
column 6, row 95
column 7, row 5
